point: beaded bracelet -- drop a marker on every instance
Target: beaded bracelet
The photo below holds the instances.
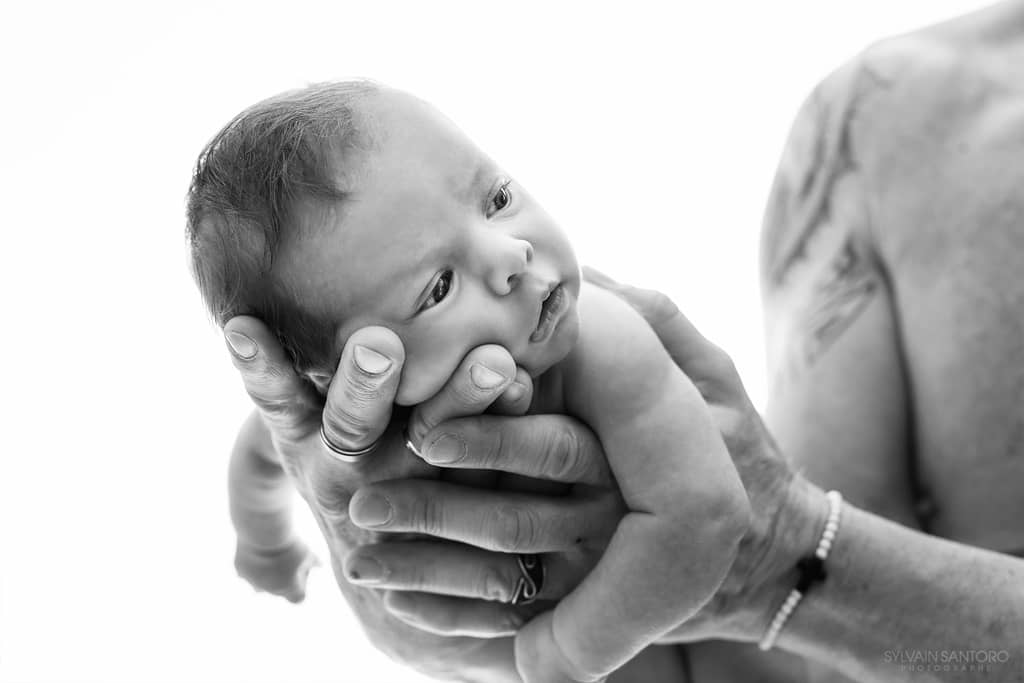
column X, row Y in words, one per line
column 812, row 570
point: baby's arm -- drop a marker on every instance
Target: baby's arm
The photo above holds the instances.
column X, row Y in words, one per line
column 678, row 482
column 268, row 554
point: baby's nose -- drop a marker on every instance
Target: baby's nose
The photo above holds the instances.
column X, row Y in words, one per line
column 512, row 262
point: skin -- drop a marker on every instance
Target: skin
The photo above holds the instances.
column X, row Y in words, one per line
column 476, row 646
column 477, row 258
column 879, row 329
column 478, row 254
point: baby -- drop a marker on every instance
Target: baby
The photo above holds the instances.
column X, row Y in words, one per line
column 344, row 205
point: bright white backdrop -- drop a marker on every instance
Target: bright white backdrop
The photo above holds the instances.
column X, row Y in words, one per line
column 651, row 130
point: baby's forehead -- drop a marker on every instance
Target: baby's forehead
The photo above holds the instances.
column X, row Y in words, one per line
column 415, row 135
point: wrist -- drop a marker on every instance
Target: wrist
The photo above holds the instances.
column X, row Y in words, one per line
column 767, row 565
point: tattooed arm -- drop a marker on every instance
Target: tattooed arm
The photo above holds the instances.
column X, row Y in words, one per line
column 837, row 399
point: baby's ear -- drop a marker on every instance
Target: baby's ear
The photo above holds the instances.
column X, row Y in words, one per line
column 321, row 380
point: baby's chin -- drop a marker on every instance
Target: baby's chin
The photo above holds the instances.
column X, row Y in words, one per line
column 538, row 359
column 417, row 386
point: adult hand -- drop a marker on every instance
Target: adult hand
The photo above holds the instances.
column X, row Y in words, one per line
column 460, row 581
column 459, row 589
column 357, row 412
column 746, row 600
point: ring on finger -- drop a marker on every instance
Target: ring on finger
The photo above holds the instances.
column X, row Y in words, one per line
column 344, row 454
column 410, row 445
column 530, row 581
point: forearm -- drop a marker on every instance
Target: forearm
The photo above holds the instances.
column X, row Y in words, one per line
column 656, row 664
column 259, row 493
column 899, row 604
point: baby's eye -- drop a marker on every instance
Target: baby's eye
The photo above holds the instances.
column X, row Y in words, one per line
column 440, row 290
column 501, row 199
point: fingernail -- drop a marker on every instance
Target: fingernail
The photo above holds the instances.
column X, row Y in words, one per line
column 371, row 362
column 372, row 511
column 447, row 448
column 244, row 347
column 366, row 570
column 484, row 377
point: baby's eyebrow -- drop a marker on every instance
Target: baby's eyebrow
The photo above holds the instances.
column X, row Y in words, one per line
column 467, row 193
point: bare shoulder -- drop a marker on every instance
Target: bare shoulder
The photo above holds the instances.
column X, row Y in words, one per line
column 891, row 275
column 946, row 134
column 910, row 114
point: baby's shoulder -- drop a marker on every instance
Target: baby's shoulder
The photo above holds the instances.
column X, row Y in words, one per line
column 617, row 353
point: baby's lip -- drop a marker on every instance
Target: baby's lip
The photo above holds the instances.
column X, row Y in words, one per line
column 544, row 322
column 543, row 293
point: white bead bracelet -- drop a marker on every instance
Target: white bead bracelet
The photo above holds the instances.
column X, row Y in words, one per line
column 812, row 570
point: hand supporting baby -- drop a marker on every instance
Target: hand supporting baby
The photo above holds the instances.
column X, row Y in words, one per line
column 547, row 452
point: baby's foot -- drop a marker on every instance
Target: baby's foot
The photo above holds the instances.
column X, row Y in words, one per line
column 539, row 659
column 281, row 571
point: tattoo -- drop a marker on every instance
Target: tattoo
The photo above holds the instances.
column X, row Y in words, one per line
column 818, row 154
column 800, row 200
column 838, row 299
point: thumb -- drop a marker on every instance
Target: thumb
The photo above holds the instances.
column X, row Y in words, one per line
column 288, row 404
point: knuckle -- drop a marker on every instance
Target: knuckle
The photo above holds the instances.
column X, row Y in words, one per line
column 468, row 396
column 722, row 364
column 347, row 425
column 427, row 515
column 494, row 453
column 563, row 459
column 361, row 393
column 657, row 306
column 271, row 404
column 330, row 499
column 514, row 529
column 728, row 365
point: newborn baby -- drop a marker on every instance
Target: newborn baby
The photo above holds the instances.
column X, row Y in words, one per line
column 343, row 205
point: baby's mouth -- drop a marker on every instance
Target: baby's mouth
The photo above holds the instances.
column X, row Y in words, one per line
column 550, row 312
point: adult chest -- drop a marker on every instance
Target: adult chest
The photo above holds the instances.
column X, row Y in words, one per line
column 956, row 265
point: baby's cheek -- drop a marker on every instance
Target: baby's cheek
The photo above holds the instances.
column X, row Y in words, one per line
column 423, row 375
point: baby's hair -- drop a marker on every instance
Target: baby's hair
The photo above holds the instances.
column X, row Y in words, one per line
column 242, row 200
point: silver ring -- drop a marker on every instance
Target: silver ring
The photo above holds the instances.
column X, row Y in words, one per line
column 530, row 581
column 409, row 444
column 344, row 454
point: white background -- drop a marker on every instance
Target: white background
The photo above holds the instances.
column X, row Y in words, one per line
column 650, row 130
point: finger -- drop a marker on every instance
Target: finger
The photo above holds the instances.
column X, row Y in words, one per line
column 362, row 393
column 515, row 400
column 502, row 521
column 707, row 365
column 289, row 406
column 449, row 616
column 434, row 567
column 517, row 396
column 454, row 569
column 551, row 447
column 296, row 592
column 483, row 375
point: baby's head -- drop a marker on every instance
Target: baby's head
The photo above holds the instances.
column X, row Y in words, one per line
column 343, row 205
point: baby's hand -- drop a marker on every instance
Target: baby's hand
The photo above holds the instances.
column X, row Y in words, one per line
column 281, row 571
column 539, row 659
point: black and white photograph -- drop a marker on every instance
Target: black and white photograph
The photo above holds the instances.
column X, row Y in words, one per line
column 533, row 342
